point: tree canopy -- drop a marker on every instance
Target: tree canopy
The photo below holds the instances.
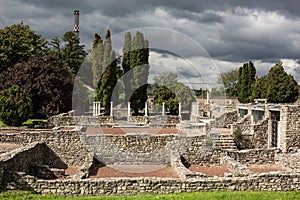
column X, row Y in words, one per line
column 277, row 86
column 229, row 80
column 18, row 43
column 47, row 81
column 282, row 88
column 246, row 77
column 168, row 89
column 71, row 53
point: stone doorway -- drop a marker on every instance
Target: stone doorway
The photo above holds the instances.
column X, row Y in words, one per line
column 275, row 118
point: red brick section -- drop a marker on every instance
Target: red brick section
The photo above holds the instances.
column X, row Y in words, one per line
column 266, row 168
column 109, row 172
column 211, row 171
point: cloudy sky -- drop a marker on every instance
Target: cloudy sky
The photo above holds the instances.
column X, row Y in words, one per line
column 216, row 36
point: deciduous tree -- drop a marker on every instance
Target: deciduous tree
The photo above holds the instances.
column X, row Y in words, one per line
column 18, row 43
column 47, row 81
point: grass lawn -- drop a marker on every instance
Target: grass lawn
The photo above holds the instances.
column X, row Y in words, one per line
column 182, row 196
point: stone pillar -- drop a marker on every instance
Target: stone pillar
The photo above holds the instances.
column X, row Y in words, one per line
column 163, row 109
column 94, row 109
column 128, row 111
column 269, row 133
column 249, row 109
column 179, row 109
column 283, row 128
column 146, row 109
column 267, row 111
column 111, row 108
column 208, row 97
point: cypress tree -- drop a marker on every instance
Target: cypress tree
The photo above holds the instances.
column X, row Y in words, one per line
column 97, row 59
column 110, row 74
column 126, row 65
column 245, row 80
column 139, row 62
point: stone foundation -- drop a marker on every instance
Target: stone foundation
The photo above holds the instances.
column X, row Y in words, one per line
column 132, row 186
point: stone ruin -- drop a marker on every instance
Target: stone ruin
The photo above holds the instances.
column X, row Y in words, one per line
column 64, row 158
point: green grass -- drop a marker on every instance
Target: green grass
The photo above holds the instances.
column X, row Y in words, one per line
column 182, row 196
column 28, row 122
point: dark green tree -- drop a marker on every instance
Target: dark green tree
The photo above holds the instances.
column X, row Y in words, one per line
column 126, row 66
column 97, row 56
column 246, row 77
column 168, row 89
column 282, row 88
column 47, row 81
column 229, row 80
column 56, row 48
column 73, row 53
column 259, row 88
column 166, row 95
column 18, row 43
column 139, row 64
column 15, row 106
column 110, row 74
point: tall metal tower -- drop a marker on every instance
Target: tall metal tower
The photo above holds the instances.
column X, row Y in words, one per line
column 76, row 22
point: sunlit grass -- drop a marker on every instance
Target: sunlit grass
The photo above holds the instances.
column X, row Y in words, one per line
column 181, row 196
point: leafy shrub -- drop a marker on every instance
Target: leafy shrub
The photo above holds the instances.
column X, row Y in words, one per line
column 15, row 106
column 238, row 138
column 208, row 142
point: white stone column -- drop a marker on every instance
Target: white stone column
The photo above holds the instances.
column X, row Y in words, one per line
column 111, row 108
column 98, row 108
column 163, row 109
column 94, row 109
column 128, row 111
column 179, row 109
column 207, row 96
column 146, row 109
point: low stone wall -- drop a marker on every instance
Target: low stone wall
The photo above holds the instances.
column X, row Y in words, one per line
column 67, row 119
column 289, row 160
column 35, row 159
column 67, row 145
column 246, row 128
column 132, row 186
column 225, row 120
column 142, row 148
column 254, row 156
column 235, row 167
column 181, row 170
column 260, row 134
column 139, row 119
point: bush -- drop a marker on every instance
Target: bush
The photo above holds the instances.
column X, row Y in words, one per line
column 15, row 106
column 238, row 138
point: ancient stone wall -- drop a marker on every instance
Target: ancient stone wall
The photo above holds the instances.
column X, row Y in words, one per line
column 289, row 127
column 254, row 156
column 143, row 148
column 260, row 134
column 67, row 119
column 67, row 145
column 34, row 159
column 131, row 186
column 226, row 119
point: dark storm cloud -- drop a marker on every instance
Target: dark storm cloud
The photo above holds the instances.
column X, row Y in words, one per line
column 204, row 17
column 229, row 30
